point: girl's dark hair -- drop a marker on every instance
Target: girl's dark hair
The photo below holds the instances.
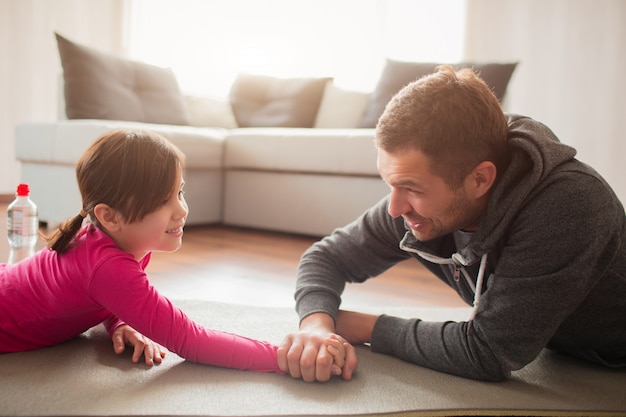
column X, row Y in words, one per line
column 131, row 171
column 452, row 117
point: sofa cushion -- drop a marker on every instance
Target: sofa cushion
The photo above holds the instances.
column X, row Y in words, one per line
column 398, row 74
column 327, row 151
column 207, row 111
column 341, row 108
column 63, row 142
column 264, row 101
column 103, row 86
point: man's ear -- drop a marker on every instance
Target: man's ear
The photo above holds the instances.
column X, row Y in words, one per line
column 482, row 178
column 107, row 217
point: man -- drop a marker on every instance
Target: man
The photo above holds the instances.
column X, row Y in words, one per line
column 496, row 207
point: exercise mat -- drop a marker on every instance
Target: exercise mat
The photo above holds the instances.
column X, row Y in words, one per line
column 84, row 377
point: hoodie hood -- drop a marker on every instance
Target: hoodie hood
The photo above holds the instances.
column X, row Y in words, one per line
column 535, row 152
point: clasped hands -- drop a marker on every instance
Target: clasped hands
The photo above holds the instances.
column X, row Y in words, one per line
column 317, row 351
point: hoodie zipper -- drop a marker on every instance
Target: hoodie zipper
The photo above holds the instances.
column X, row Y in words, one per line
column 457, row 273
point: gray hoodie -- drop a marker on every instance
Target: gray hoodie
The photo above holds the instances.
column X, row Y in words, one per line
column 547, row 268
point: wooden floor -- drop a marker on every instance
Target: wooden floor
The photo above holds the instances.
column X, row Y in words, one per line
column 259, row 268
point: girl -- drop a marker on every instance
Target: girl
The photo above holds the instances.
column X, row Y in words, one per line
column 131, row 183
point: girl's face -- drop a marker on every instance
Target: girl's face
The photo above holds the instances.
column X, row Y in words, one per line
column 159, row 231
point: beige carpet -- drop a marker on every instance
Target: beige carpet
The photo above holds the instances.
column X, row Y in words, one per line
column 85, row 377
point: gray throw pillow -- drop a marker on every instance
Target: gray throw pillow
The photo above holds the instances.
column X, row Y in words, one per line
column 264, row 101
column 103, row 86
column 398, row 74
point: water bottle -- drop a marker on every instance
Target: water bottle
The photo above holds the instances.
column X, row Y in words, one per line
column 22, row 225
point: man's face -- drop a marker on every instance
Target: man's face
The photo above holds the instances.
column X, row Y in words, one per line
column 429, row 206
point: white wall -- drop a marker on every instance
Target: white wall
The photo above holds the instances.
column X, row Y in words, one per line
column 348, row 40
column 30, row 65
column 571, row 75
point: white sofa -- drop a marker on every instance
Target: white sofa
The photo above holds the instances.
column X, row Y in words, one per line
column 297, row 180
column 307, row 179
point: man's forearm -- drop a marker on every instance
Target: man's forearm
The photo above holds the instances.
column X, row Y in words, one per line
column 355, row 327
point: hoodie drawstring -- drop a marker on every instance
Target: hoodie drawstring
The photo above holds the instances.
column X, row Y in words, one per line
column 458, row 264
column 479, row 290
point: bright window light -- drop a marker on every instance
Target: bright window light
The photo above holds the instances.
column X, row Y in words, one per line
column 208, row 42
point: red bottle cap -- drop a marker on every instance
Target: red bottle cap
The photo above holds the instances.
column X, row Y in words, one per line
column 23, row 190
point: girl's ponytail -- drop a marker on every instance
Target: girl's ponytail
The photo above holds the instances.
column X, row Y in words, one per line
column 62, row 238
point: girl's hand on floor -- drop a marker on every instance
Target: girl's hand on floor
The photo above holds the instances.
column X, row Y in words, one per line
column 126, row 335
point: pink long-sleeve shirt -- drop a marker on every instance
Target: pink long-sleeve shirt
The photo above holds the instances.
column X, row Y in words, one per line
column 50, row 298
